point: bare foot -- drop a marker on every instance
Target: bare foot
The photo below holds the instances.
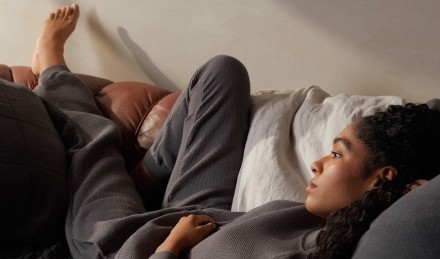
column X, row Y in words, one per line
column 49, row 50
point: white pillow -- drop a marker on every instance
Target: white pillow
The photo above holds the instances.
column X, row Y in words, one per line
column 289, row 130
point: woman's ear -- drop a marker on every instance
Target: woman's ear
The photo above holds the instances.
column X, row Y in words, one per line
column 384, row 174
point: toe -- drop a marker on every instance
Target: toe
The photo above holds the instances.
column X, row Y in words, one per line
column 59, row 13
column 75, row 10
column 66, row 12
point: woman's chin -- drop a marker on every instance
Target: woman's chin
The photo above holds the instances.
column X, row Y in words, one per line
column 314, row 209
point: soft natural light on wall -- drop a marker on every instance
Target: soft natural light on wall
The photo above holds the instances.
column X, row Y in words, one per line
column 359, row 47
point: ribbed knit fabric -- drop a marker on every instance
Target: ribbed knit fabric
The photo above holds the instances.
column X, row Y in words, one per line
column 106, row 218
column 201, row 145
column 279, row 229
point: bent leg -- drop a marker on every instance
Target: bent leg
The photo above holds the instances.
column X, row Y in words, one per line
column 201, row 145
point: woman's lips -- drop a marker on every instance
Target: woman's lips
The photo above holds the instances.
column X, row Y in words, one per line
column 311, row 185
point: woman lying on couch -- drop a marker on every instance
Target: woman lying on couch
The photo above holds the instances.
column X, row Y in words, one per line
column 372, row 164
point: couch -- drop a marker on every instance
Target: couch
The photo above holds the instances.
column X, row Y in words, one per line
column 301, row 116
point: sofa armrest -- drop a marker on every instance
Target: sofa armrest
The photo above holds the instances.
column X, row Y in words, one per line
column 128, row 104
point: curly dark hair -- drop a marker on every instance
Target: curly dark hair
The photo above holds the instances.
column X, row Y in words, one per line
column 405, row 137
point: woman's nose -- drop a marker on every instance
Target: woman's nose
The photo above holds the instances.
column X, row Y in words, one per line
column 316, row 166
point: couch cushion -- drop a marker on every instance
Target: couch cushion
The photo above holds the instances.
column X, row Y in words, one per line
column 128, row 104
column 33, row 186
column 408, row 229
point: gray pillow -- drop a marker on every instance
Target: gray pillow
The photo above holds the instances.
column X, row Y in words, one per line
column 434, row 104
column 33, row 185
column 408, row 229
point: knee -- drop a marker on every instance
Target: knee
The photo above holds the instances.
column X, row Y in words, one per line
column 228, row 63
column 225, row 60
column 229, row 70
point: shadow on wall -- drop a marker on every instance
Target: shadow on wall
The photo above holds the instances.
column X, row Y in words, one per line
column 401, row 32
column 106, row 47
column 140, row 56
column 145, row 62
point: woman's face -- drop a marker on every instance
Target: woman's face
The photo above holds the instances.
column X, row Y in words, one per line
column 338, row 179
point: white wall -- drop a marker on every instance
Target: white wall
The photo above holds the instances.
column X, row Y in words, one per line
column 370, row 47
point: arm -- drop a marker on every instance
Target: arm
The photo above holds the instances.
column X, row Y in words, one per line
column 187, row 233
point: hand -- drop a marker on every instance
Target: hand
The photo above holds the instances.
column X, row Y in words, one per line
column 187, row 233
column 417, row 183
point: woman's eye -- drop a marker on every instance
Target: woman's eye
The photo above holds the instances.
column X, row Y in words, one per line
column 335, row 154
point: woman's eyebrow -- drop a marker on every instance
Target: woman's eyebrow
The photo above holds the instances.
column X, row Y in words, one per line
column 345, row 142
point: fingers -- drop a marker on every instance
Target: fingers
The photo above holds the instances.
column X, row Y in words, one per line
column 198, row 220
column 206, row 226
column 421, row 182
column 201, row 224
column 187, row 233
column 417, row 183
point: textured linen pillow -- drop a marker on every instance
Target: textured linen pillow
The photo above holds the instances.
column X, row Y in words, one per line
column 33, row 186
column 289, row 130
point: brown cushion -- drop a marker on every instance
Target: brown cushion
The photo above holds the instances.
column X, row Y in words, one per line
column 127, row 104
column 154, row 120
